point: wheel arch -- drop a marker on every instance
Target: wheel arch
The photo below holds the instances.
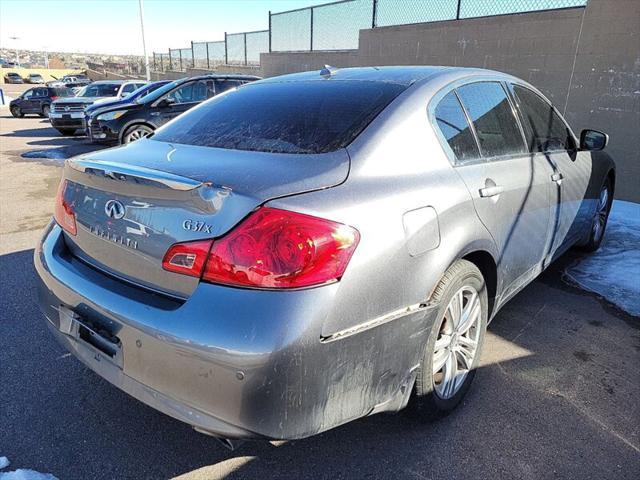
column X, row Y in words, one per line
column 485, row 262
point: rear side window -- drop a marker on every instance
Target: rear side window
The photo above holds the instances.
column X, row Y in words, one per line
column 190, row 93
column 545, row 130
column 224, row 85
column 454, row 126
column 288, row 117
column 496, row 126
column 61, row 92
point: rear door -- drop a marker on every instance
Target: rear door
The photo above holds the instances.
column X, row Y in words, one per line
column 183, row 98
column 550, row 139
column 40, row 98
column 509, row 187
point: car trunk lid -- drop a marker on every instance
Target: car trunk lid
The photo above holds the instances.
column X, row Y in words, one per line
column 133, row 203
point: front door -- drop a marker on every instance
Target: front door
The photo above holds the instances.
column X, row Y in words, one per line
column 510, row 187
column 26, row 101
column 551, row 140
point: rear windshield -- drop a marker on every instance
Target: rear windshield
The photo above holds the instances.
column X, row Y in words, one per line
column 62, row 92
column 287, row 117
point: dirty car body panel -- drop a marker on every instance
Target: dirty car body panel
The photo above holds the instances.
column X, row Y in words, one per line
column 242, row 362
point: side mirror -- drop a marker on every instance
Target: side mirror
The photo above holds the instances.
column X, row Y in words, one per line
column 593, row 140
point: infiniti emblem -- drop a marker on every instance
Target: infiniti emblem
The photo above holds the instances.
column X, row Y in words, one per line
column 114, row 209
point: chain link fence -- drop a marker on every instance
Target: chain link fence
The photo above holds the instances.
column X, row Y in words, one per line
column 336, row 26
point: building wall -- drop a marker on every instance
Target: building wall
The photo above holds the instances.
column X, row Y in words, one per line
column 586, row 60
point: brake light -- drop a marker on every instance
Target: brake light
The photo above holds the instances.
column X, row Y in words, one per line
column 54, row 98
column 275, row 248
column 64, row 213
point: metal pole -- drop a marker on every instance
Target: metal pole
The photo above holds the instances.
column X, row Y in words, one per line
column 180, row 55
column 269, row 31
column 226, row 54
column 375, row 14
column 144, row 43
column 311, row 39
column 245, row 48
column 206, row 45
column 458, row 11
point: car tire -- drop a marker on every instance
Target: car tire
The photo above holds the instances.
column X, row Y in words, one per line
column 136, row 132
column 46, row 109
column 600, row 218
column 16, row 112
column 455, row 341
column 66, row 131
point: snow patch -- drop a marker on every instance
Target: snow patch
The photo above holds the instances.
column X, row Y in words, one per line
column 23, row 474
column 614, row 270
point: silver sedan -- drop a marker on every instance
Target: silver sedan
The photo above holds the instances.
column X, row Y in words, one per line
column 310, row 249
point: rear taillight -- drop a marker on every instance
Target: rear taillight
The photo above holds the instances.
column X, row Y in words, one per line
column 271, row 248
column 64, row 213
column 54, row 98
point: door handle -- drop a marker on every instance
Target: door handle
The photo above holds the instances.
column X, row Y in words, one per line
column 556, row 177
column 491, row 191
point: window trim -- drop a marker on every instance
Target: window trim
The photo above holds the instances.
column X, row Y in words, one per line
column 516, row 100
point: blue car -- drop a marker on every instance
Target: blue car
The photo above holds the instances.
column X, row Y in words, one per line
column 133, row 96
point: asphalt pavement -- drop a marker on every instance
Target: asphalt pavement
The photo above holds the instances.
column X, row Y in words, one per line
column 557, row 394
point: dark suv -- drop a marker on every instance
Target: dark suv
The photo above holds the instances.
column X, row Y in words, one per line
column 37, row 100
column 126, row 123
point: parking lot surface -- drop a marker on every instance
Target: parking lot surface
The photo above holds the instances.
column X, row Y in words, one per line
column 557, row 394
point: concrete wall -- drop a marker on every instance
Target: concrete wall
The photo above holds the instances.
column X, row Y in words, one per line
column 586, row 60
column 279, row 63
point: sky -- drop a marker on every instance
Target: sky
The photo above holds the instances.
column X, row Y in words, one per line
column 113, row 26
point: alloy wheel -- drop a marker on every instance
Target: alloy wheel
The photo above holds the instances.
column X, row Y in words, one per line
column 602, row 212
column 457, row 343
column 136, row 134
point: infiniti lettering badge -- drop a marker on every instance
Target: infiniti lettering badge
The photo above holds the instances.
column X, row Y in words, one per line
column 114, row 209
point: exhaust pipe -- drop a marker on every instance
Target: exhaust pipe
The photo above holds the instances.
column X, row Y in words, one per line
column 229, row 443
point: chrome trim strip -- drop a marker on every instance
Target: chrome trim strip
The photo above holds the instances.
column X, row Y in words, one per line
column 389, row 317
column 114, row 170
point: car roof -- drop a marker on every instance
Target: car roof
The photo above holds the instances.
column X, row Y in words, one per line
column 109, row 82
column 222, row 77
column 404, row 75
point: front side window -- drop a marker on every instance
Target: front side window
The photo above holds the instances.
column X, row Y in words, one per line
column 190, row 93
column 545, row 130
column 492, row 117
column 284, row 117
column 455, row 128
column 28, row 94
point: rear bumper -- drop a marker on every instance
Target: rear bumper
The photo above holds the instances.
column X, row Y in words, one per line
column 232, row 362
